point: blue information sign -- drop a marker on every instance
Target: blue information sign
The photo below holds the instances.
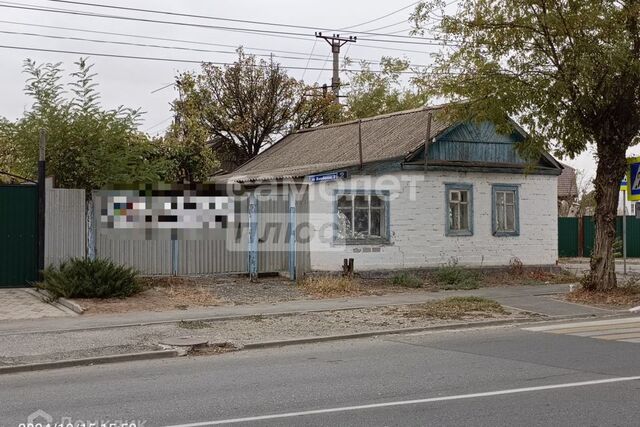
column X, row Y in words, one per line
column 633, row 183
column 333, row 176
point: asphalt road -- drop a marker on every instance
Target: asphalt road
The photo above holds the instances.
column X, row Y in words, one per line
column 490, row 377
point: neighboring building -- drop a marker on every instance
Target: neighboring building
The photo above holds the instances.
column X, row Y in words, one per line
column 567, row 192
column 372, row 196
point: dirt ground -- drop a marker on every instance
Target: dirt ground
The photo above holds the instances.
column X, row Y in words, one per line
column 182, row 293
column 621, row 298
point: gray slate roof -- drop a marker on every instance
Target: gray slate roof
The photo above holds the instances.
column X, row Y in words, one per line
column 333, row 147
column 567, row 186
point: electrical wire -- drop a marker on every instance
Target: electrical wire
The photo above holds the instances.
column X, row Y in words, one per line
column 286, row 34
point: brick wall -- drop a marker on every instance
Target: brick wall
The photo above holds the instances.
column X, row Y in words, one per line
column 417, row 223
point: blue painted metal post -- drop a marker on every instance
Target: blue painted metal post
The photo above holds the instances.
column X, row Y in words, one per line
column 253, row 237
column 292, row 235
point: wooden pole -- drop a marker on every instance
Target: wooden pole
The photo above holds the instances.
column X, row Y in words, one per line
column 426, row 141
column 360, row 142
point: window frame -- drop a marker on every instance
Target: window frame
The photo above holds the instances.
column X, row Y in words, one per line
column 384, row 195
column 456, row 186
column 495, row 188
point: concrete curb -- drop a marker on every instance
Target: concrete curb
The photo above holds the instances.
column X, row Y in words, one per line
column 162, row 354
column 100, row 360
column 59, row 303
column 447, row 327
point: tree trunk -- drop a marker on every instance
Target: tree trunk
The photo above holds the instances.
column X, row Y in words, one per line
column 611, row 168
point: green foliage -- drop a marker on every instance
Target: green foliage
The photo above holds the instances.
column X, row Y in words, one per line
column 568, row 71
column 452, row 276
column 87, row 146
column 406, row 280
column 84, row 278
column 244, row 107
column 373, row 93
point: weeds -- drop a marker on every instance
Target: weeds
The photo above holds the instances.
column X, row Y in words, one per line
column 406, row 280
column 453, row 277
column 329, row 286
column 193, row 324
column 457, row 307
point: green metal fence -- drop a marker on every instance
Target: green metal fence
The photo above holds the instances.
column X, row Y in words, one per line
column 570, row 239
column 18, row 234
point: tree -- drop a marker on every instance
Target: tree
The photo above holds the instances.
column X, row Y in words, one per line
column 568, row 70
column 245, row 106
column 372, row 93
column 87, row 147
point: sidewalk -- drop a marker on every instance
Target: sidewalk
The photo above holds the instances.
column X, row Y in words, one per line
column 529, row 298
column 56, row 340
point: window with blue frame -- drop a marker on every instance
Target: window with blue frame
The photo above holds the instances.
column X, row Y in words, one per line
column 459, row 209
column 505, row 210
column 362, row 217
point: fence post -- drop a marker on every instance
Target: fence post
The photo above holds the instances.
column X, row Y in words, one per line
column 580, row 236
column 253, row 237
column 292, row 236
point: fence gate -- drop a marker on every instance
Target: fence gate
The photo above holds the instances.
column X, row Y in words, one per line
column 18, row 235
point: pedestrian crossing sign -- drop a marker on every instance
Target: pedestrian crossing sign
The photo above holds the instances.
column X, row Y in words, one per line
column 623, row 183
column 633, row 178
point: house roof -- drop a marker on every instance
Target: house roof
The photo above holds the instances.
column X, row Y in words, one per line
column 331, row 147
column 567, row 186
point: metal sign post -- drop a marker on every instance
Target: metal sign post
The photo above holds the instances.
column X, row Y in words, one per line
column 624, row 230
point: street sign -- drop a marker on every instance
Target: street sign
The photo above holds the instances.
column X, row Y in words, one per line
column 333, row 176
column 623, row 183
column 633, row 178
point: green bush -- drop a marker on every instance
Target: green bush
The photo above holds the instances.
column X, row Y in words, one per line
column 454, row 277
column 85, row 278
column 407, row 280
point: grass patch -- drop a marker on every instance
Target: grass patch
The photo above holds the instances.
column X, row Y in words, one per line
column 193, row 324
column 87, row 278
column 329, row 286
column 406, row 280
column 625, row 296
column 457, row 308
column 454, row 277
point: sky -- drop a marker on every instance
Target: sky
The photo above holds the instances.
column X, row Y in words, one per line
column 138, row 83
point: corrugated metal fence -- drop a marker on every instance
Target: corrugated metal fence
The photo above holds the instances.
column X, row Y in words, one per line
column 219, row 254
column 64, row 224
column 575, row 240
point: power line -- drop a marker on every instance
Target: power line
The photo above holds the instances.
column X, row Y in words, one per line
column 185, row 61
column 243, row 21
column 286, row 34
column 383, row 16
column 295, row 58
column 151, row 37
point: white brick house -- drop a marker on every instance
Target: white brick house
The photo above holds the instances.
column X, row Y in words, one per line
column 369, row 194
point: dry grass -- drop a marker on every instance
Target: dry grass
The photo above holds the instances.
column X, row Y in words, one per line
column 330, row 286
column 159, row 294
column 527, row 277
column 623, row 297
column 457, row 308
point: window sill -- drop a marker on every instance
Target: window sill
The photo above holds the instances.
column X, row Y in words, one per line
column 506, row 233
column 362, row 242
column 456, row 233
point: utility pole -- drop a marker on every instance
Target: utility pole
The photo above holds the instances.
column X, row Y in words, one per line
column 336, row 42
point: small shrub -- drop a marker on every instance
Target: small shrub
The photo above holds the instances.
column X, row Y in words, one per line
column 516, row 267
column 329, row 286
column 454, row 277
column 85, row 278
column 406, row 280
